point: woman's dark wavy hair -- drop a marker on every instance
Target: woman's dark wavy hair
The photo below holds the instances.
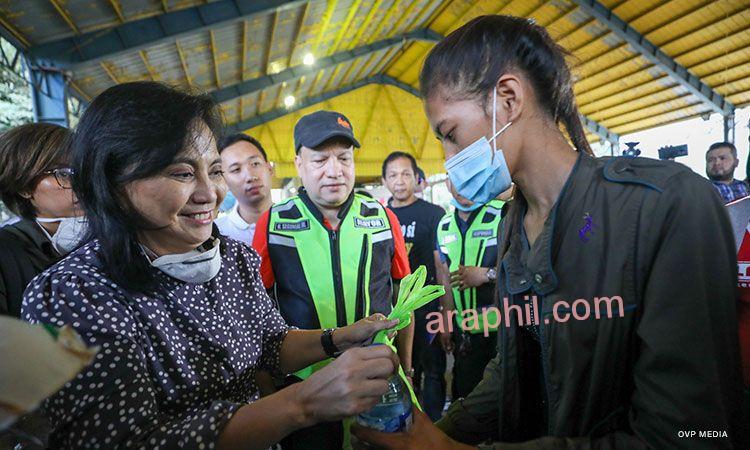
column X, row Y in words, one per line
column 470, row 60
column 131, row 131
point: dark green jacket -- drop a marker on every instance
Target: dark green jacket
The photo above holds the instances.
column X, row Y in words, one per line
column 660, row 239
column 24, row 253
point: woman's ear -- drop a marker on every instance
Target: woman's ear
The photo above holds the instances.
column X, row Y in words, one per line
column 510, row 97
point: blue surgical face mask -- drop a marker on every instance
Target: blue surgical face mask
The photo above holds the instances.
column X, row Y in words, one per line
column 461, row 207
column 479, row 172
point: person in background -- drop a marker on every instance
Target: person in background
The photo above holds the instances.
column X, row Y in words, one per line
column 640, row 251
column 419, row 220
column 739, row 215
column 35, row 184
column 467, row 241
column 248, row 175
column 331, row 255
column 177, row 312
column 422, row 184
column 721, row 162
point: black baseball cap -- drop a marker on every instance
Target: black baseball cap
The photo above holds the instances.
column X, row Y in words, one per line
column 316, row 128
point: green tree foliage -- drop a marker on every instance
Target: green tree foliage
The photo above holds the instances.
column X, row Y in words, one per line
column 15, row 96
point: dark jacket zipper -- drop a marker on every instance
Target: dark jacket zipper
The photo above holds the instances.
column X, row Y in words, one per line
column 337, row 283
column 361, row 288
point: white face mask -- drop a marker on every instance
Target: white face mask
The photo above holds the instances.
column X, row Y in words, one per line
column 195, row 266
column 69, row 233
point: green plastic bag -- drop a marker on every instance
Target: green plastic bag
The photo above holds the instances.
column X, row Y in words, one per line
column 412, row 295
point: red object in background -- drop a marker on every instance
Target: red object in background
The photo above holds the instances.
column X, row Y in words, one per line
column 743, row 310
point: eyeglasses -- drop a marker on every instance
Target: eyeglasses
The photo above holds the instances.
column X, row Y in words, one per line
column 63, row 176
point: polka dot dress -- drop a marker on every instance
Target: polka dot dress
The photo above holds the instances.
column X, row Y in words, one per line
column 173, row 364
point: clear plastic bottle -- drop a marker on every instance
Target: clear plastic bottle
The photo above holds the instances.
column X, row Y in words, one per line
column 393, row 413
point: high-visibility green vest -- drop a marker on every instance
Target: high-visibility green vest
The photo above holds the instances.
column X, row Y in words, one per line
column 476, row 247
column 326, row 278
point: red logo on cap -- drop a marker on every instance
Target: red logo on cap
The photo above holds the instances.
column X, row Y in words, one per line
column 344, row 123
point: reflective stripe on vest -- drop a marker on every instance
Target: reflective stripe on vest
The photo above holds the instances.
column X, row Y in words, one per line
column 469, row 250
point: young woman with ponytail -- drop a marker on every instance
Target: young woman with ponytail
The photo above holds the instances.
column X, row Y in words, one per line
column 624, row 268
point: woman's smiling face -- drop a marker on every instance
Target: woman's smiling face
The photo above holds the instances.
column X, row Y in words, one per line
column 182, row 201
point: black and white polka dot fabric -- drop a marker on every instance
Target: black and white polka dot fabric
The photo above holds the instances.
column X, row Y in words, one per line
column 173, row 365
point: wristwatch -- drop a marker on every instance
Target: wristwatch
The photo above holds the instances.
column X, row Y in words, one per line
column 491, row 274
column 326, row 340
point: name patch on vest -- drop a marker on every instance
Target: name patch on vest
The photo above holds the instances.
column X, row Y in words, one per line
column 292, row 226
column 449, row 238
column 482, row 233
column 369, row 223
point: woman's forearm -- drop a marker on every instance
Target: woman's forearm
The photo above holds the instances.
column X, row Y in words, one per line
column 300, row 349
column 261, row 424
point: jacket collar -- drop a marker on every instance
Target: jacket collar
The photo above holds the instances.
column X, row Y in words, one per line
column 236, row 219
column 539, row 273
column 313, row 208
column 33, row 232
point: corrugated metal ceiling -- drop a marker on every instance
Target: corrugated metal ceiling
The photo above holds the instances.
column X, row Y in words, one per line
column 616, row 85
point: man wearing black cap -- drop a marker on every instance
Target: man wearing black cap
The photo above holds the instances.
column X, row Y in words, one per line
column 330, row 255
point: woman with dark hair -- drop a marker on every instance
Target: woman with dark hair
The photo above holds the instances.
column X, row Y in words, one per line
column 35, row 184
column 179, row 314
column 624, row 267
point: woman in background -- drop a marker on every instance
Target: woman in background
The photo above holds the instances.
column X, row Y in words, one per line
column 35, row 184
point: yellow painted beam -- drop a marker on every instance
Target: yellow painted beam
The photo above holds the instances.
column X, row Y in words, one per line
column 267, row 57
column 355, row 41
column 108, row 70
column 315, row 82
column 562, row 16
column 405, row 15
column 297, row 33
column 243, row 66
column 360, row 67
column 353, row 10
column 261, row 99
column 183, row 63
column 215, row 58
column 153, row 73
column 118, row 10
column 395, row 7
column 326, row 21
column 279, row 95
column 66, row 17
column 14, row 31
column 335, row 73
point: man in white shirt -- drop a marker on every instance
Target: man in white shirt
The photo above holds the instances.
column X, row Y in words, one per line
column 248, row 175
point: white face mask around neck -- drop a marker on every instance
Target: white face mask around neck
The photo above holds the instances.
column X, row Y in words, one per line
column 196, row 266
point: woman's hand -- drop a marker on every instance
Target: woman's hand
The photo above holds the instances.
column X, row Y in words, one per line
column 353, row 383
column 469, row 277
column 361, row 332
column 423, row 435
